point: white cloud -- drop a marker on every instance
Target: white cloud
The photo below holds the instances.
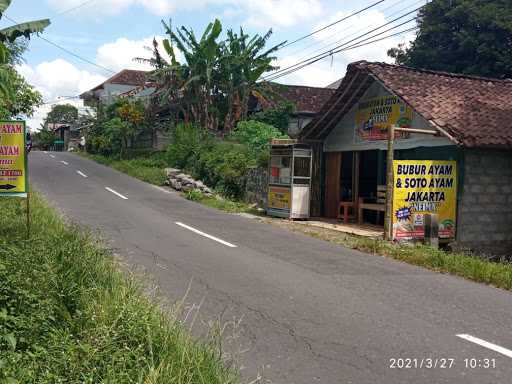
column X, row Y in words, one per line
column 265, row 13
column 110, row 7
column 55, row 80
column 330, row 69
column 283, row 13
column 120, row 54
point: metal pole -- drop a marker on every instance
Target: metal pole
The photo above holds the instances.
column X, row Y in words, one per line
column 388, row 227
column 28, row 215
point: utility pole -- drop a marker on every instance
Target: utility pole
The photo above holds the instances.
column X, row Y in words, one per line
column 388, row 227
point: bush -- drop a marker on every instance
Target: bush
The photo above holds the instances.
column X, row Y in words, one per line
column 186, row 143
column 256, row 136
column 219, row 164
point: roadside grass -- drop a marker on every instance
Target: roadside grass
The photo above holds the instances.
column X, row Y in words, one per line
column 498, row 274
column 149, row 167
column 221, row 203
column 69, row 315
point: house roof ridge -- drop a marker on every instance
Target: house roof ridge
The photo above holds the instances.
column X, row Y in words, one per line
column 434, row 72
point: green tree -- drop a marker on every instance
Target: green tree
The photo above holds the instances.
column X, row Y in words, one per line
column 62, row 114
column 463, row 36
column 23, row 97
column 10, row 51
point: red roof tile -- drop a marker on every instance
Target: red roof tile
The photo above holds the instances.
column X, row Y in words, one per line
column 476, row 111
column 127, row 77
column 306, row 99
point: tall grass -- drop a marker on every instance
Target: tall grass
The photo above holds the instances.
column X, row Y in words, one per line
column 148, row 167
column 462, row 264
column 68, row 315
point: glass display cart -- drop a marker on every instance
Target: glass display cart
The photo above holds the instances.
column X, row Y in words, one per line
column 289, row 185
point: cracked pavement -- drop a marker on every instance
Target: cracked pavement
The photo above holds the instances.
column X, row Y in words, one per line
column 309, row 311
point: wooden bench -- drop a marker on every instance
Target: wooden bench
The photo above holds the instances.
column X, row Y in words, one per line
column 379, row 206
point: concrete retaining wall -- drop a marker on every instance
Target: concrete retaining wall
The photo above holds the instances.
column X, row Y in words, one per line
column 256, row 186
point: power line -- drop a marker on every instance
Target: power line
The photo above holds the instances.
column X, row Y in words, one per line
column 351, row 34
column 348, row 42
column 333, row 23
column 356, row 45
column 75, row 7
column 66, row 50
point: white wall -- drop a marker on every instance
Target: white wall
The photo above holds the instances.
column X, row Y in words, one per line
column 343, row 136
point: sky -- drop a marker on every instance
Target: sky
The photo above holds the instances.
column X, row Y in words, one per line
column 111, row 33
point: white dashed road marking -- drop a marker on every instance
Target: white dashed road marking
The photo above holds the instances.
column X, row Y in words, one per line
column 486, row 344
column 205, row 235
column 64, row 162
column 116, row 193
column 82, row 174
column 52, row 156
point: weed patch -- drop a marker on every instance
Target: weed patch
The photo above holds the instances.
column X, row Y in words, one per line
column 68, row 315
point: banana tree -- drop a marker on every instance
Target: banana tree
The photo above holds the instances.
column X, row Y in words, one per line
column 9, row 35
column 244, row 61
column 23, row 29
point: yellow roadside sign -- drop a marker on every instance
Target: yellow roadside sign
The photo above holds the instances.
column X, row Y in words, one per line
column 13, row 159
column 422, row 187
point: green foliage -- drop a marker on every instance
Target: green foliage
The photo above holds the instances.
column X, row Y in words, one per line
column 43, row 139
column 13, row 99
column 212, row 87
column 22, row 98
column 62, row 114
column 187, row 141
column 69, row 315
column 194, row 195
column 463, row 36
column 256, row 136
column 278, row 116
column 143, row 165
column 219, row 164
column 116, row 128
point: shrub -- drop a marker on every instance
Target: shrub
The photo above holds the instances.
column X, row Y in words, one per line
column 278, row 116
column 256, row 135
column 186, row 143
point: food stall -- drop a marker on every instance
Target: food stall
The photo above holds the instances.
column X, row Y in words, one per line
column 289, row 184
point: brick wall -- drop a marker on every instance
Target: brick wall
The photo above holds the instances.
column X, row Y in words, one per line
column 485, row 208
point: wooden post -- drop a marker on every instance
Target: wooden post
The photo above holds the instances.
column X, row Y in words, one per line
column 388, row 226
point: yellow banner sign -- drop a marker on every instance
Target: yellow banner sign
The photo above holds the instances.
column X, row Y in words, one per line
column 422, row 187
column 279, row 197
column 375, row 116
column 13, row 159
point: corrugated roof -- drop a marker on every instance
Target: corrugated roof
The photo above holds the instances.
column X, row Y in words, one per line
column 476, row 111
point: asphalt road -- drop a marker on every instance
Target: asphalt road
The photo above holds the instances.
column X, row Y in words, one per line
column 309, row 311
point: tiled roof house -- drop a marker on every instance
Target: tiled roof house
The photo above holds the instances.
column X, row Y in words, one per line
column 473, row 120
column 122, row 82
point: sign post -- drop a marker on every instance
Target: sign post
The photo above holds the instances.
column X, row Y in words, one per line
column 13, row 162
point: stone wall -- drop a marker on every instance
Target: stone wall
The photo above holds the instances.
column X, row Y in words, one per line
column 256, row 186
column 485, row 208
